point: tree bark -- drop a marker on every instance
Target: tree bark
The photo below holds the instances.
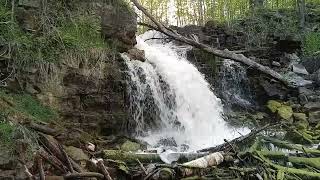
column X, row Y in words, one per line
column 226, row 54
column 302, row 12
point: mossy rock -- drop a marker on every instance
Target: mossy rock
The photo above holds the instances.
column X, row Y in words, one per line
column 285, row 112
column 130, row 146
column 273, row 105
column 300, row 117
column 302, row 125
column 76, row 153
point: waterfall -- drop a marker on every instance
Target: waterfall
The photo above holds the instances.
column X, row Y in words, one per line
column 233, row 85
column 171, row 102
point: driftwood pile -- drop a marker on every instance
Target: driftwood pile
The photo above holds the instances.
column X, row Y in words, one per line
column 262, row 158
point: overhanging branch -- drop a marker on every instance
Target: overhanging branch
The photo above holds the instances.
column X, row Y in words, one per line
column 226, row 54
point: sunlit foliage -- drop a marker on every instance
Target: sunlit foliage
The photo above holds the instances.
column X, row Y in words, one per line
column 182, row 12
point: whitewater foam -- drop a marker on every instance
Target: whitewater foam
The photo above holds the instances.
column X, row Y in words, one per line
column 197, row 110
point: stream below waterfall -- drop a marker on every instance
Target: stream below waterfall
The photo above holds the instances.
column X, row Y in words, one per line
column 172, row 104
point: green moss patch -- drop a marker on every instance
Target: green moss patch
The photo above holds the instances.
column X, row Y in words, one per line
column 283, row 111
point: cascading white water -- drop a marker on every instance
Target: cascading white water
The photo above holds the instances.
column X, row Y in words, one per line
column 188, row 111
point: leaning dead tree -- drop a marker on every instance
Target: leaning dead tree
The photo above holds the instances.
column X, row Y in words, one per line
column 226, row 54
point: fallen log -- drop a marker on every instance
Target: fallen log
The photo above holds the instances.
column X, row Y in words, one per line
column 225, row 54
column 42, row 129
column 278, row 155
column 210, row 160
column 290, row 146
column 67, row 159
column 55, row 162
column 238, row 140
column 299, row 172
column 131, row 157
column 84, row 175
column 55, row 148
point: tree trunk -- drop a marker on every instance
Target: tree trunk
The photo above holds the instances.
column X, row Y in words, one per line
column 302, row 12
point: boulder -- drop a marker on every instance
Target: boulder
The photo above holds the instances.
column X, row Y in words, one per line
column 76, row 154
column 303, row 99
column 119, row 24
column 275, row 63
column 273, row 89
column 130, row 146
column 314, row 117
column 302, row 125
column 299, row 69
column 312, row 64
column 273, row 105
column 285, row 112
column 136, row 54
column 305, row 91
column 6, row 161
column 300, row 116
column 316, row 77
column 311, row 106
column 297, row 80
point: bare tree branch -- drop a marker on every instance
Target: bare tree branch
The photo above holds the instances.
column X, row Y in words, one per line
column 226, row 54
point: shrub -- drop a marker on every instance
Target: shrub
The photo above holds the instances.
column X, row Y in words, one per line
column 311, row 43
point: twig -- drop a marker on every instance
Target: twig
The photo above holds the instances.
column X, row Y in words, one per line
column 27, row 172
column 3, row 80
column 157, row 39
column 12, row 10
column 69, row 165
column 142, row 167
column 151, row 174
column 234, row 150
column 53, row 161
column 104, row 170
column 40, row 167
column 237, row 140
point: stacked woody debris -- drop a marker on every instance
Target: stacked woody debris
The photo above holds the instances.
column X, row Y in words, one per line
column 259, row 155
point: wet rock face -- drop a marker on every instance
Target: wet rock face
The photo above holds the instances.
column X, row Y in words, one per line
column 93, row 103
column 87, row 97
column 119, row 25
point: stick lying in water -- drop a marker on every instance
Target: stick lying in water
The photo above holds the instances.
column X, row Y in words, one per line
column 226, row 145
column 226, row 54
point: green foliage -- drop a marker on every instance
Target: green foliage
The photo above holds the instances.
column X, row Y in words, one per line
column 24, row 105
column 311, row 43
column 6, row 133
column 29, row 105
column 82, row 33
column 262, row 24
column 57, row 34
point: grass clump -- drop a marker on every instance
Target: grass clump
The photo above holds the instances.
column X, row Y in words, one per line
column 25, row 106
column 82, row 33
column 56, row 34
column 6, row 133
